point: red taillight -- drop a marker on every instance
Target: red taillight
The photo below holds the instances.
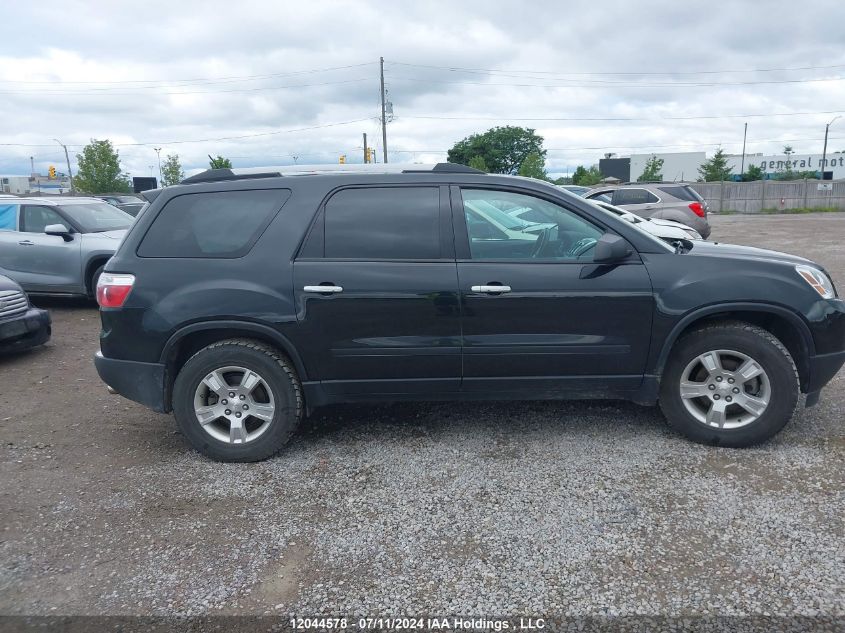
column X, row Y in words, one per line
column 112, row 290
column 697, row 209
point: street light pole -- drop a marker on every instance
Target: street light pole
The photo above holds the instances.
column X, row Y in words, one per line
column 744, row 135
column 67, row 158
column 158, row 154
column 824, row 151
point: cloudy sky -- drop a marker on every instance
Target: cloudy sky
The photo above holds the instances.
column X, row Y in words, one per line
column 264, row 82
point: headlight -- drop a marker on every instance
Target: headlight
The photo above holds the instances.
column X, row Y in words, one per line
column 817, row 279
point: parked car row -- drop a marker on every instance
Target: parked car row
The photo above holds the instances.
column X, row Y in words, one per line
column 675, row 202
column 54, row 246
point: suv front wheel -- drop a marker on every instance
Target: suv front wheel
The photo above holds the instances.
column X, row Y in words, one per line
column 237, row 401
column 729, row 384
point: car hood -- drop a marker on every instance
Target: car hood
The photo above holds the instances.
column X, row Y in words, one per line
column 113, row 235
column 8, row 284
column 717, row 249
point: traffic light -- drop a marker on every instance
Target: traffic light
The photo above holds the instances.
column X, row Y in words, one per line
column 51, row 173
column 342, row 159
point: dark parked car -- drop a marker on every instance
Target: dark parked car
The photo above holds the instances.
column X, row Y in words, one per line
column 674, row 201
column 21, row 325
column 242, row 300
column 129, row 204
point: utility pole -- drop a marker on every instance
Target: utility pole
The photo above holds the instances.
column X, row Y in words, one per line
column 158, row 154
column 32, row 165
column 824, row 151
column 366, row 151
column 383, row 112
column 67, row 158
column 744, row 135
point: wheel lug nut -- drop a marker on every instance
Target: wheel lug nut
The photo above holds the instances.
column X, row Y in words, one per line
column 716, row 396
column 242, row 397
column 224, row 401
column 731, row 380
column 231, row 394
column 718, row 379
column 735, row 389
column 228, row 412
column 246, row 407
column 728, row 398
column 238, row 414
column 711, row 387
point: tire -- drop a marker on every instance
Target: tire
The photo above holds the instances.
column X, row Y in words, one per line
column 734, row 343
column 92, row 283
column 276, row 395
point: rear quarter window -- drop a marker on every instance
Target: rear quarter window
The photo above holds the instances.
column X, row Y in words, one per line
column 688, row 194
column 633, row 196
column 225, row 224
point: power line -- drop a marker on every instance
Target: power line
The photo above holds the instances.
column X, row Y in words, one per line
column 206, row 140
column 663, row 118
column 189, row 92
column 616, row 84
column 196, row 79
column 614, row 73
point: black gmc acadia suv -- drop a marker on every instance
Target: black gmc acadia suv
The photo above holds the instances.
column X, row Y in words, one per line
column 242, row 300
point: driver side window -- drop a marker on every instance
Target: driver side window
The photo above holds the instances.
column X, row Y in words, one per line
column 36, row 219
column 514, row 226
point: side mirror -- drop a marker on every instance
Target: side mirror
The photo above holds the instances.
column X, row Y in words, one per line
column 60, row 230
column 610, row 248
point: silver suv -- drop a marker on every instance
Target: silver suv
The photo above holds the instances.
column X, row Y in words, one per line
column 58, row 245
column 663, row 200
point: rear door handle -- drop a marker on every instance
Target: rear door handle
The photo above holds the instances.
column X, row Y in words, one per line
column 492, row 289
column 323, row 289
column 26, row 243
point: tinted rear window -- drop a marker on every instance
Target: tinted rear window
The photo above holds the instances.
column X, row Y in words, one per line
column 633, row 196
column 224, row 224
column 383, row 223
column 682, row 193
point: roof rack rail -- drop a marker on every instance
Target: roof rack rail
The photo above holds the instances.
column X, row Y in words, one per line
column 219, row 175
column 452, row 168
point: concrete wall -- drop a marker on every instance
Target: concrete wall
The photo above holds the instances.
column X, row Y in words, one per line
column 677, row 166
column 753, row 197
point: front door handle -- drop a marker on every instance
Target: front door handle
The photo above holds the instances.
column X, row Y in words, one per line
column 323, row 289
column 26, row 243
column 491, row 289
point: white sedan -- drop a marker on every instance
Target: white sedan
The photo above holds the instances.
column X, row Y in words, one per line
column 667, row 230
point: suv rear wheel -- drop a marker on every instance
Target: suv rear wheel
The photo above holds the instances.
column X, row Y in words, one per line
column 237, row 401
column 732, row 384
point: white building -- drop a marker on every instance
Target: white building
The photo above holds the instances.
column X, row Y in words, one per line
column 35, row 184
column 676, row 166
column 777, row 163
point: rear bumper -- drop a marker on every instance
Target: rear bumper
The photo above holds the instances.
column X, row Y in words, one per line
column 30, row 329
column 702, row 226
column 141, row 382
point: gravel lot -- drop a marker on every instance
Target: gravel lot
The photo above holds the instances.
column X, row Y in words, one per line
column 582, row 508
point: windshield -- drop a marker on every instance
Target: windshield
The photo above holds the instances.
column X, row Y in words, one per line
column 129, row 199
column 96, row 217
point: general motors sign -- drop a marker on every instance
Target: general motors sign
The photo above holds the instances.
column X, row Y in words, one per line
column 835, row 162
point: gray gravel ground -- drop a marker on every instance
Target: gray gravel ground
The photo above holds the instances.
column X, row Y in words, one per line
column 581, row 508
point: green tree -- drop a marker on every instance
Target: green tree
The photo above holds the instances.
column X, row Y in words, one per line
column 586, row 177
column 171, row 171
column 99, row 170
column 219, row 162
column 786, row 173
column 477, row 162
column 503, row 149
column 754, row 172
column 716, row 168
column 653, row 170
column 533, row 167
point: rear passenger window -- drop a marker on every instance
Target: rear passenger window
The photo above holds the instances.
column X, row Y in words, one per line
column 223, row 224
column 383, row 223
column 633, row 196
